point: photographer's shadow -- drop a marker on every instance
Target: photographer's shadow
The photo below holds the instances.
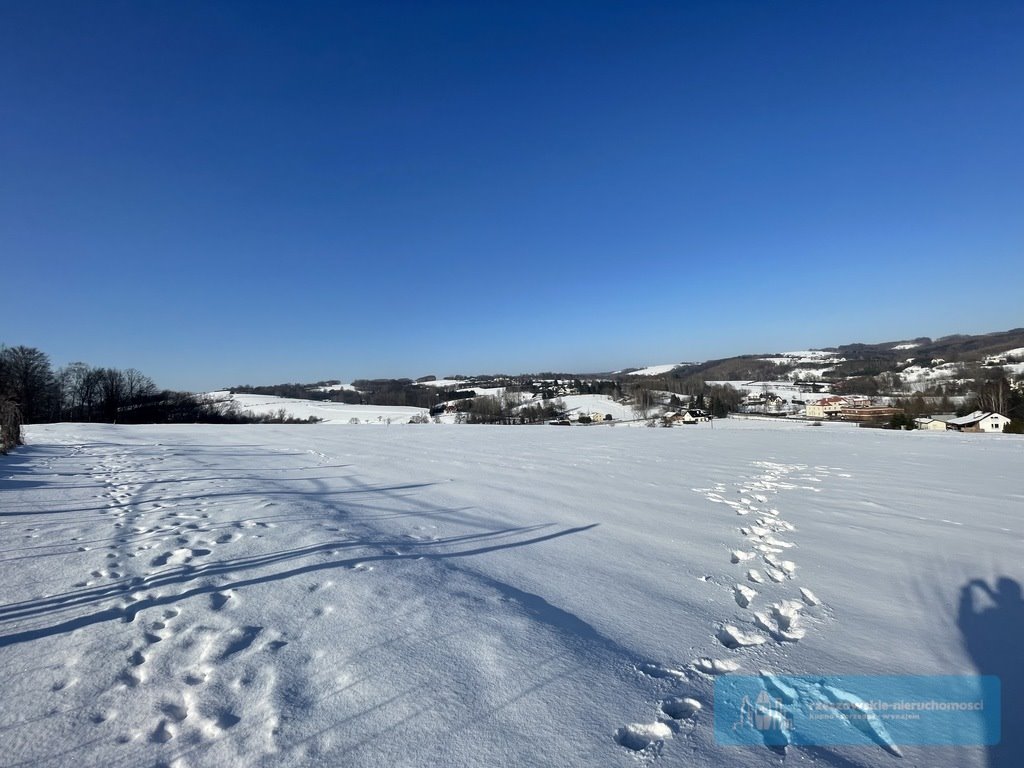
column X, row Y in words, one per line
column 992, row 624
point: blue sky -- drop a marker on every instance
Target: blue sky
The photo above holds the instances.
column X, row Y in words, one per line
column 223, row 193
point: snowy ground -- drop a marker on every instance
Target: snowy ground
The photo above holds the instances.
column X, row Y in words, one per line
column 655, row 370
column 787, row 390
column 330, row 413
column 479, row 596
column 597, row 404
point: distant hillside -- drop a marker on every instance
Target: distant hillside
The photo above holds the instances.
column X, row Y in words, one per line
column 948, row 365
column 953, row 354
column 957, row 348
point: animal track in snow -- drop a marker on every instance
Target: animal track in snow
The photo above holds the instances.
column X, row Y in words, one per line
column 181, row 556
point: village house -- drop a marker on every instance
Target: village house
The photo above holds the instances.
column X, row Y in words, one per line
column 930, row 423
column 695, row 416
column 869, row 413
column 979, row 421
column 691, row 416
column 826, row 408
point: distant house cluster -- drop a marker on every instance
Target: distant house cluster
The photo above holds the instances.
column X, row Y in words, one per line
column 859, row 408
column 849, row 408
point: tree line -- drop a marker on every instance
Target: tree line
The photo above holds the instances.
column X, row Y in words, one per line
column 75, row 392
column 33, row 392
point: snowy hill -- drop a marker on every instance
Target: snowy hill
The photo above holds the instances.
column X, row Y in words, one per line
column 651, row 370
column 328, row 412
column 597, row 404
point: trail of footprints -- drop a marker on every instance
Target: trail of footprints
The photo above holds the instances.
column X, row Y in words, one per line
column 763, row 555
column 207, row 677
column 210, row 682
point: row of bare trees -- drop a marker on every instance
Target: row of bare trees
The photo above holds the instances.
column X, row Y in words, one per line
column 76, row 392
column 85, row 393
column 22, row 375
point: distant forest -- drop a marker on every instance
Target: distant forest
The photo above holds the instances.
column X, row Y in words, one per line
column 407, row 392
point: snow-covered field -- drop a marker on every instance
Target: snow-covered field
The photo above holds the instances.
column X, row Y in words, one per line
column 597, row 404
column 655, row 370
column 330, row 413
column 784, row 389
column 806, row 357
column 479, row 596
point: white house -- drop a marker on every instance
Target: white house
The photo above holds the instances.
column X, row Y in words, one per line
column 695, row 415
column 930, row 423
column 979, row 421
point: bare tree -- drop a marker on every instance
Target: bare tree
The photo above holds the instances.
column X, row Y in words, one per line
column 137, row 387
column 112, row 389
column 643, row 400
column 994, row 396
column 28, row 380
column 77, row 385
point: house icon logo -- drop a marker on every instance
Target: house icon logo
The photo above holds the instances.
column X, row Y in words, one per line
column 766, row 714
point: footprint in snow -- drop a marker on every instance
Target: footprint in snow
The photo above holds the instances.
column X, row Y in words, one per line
column 242, row 639
column 782, row 621
column 163, row 733
column 681, row 708
column 643, row 736
column 732, row 637
column 711, row 666
column 744, row 595
column 220, row 599
column 659, row 671
column 175, row 711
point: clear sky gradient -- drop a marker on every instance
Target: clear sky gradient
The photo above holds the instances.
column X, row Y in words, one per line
column 221, row 193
